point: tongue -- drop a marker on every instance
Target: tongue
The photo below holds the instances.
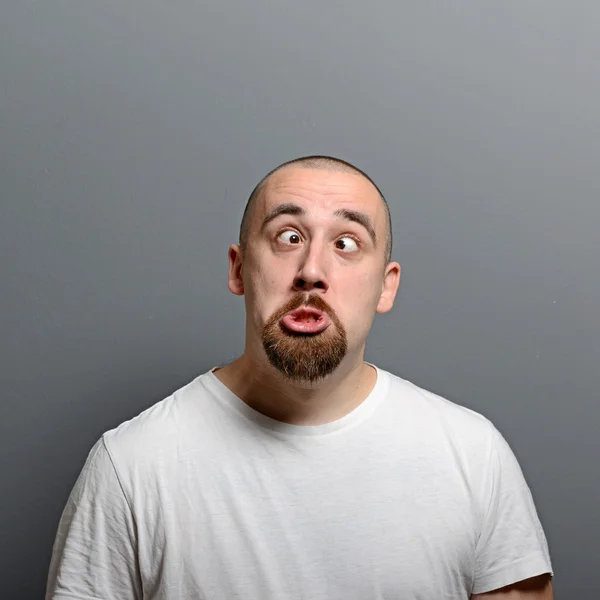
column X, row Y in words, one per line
column 307, row 318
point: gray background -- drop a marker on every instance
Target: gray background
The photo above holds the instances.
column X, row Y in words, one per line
column 131, row 133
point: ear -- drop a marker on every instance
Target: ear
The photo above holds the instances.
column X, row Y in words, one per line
column 391, row 281
column 235, row 283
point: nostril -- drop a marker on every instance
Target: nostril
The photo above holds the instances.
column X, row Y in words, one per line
column 303, row 284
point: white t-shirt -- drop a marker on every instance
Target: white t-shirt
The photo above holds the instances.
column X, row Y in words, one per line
column 409, row 497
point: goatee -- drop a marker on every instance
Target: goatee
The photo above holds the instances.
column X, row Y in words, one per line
column 300, row 357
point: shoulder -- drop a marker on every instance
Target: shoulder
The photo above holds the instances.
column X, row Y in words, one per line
column 162, row 428
column 428, row 409
column 448, row 429
column 432, row 426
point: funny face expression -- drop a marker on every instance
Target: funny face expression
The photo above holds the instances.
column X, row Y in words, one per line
column 313, row 270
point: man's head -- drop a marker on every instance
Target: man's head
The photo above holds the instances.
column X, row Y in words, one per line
column 314, row 264
column 327, row 163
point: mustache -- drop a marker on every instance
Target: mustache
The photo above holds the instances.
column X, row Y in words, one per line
column 305, row 299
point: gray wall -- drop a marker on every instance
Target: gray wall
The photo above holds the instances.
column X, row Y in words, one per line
column 131, row 133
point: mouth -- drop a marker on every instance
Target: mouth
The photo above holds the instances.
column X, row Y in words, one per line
column 306, row 320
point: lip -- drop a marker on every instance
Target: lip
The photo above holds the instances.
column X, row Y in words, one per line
column 306, row 320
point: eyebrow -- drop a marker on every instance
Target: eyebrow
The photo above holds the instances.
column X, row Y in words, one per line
column 344, row 213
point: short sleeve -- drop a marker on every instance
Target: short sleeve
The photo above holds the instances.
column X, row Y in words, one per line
column 512, row 545
column 95, row 551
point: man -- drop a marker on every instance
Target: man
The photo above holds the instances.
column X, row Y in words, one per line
column 299, row 471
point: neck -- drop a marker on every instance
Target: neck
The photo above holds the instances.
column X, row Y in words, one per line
column 266, row 390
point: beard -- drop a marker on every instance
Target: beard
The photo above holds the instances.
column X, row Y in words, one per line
column 301, row 357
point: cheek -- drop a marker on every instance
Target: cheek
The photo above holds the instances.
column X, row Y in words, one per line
column 363, row 287
column 266, row 273
column 258, row 276
column 359, row 299
column 265, row 293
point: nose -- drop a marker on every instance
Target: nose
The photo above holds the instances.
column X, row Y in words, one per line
column 312, row 271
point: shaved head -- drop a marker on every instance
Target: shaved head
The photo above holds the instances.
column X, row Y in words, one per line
column 322, row 163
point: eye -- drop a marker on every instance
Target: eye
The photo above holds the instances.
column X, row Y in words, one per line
column 289, row 237
column 347, row 244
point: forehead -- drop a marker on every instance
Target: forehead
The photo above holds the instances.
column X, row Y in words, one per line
column 321, row 190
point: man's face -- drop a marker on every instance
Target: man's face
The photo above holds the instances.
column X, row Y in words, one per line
column 313, row 271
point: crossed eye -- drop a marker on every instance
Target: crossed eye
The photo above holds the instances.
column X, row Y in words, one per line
column 289, row 237
column 345, row 243
column 348, row 244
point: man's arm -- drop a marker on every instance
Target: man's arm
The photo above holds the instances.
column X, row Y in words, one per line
column 512, row 552
column 95, row 550
column 535, row 588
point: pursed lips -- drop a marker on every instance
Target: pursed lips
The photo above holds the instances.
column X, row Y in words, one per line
column 306, row 319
